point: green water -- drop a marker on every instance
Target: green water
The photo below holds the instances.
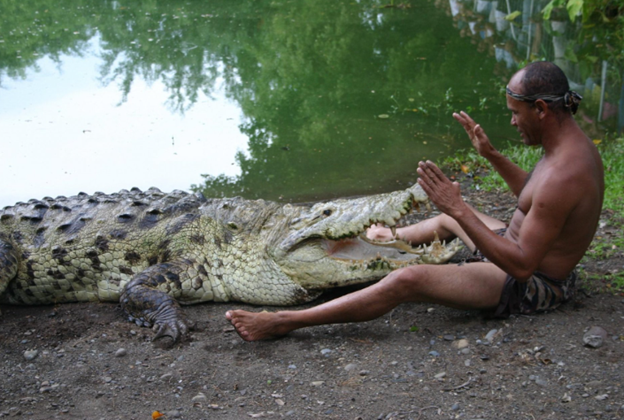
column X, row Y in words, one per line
column 331, row 98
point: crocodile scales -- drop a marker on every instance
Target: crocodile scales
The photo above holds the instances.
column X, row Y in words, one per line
column 153, row 251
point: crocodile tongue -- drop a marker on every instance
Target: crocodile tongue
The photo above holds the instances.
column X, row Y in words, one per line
column 360, row 249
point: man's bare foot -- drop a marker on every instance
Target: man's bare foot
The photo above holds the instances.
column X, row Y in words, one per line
column 254, row 326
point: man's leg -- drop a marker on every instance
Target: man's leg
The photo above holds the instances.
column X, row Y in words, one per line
column 422, row 232
column 475, row 285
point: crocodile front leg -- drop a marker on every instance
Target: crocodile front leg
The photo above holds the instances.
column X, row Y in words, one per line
column 149, row 306
column 8, row 264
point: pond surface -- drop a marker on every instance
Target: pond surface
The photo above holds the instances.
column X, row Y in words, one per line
column 282, row 100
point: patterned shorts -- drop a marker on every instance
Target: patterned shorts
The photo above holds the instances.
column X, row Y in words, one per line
column 539, row 293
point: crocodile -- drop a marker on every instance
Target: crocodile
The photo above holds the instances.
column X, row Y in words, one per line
column 153, row 252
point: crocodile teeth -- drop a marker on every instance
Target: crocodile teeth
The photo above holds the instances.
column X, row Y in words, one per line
column 394, row 232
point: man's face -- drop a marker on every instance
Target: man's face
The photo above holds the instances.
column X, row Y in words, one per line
column 523, row 115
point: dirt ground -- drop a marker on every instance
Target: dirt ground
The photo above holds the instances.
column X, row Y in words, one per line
column 85, row 361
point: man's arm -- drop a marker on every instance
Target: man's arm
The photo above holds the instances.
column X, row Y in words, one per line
column 540, row 229
column 513, row 175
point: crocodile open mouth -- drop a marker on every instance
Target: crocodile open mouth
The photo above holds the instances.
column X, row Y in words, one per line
column 364, row 248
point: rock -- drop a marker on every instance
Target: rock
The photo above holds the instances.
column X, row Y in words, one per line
column 449, row 337
column 31, row 354
column 317, row 383
column 434, row 353
column 326, row 352
column 541, row 382
column 121, row 352
column 601, row 397
column 460, row 344
column 199, row 398
column 350, row 367
column 595, row 337
column 440, row 375
column 493, row 335
column 566, row 398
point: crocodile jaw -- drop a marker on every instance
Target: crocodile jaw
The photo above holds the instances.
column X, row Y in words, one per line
column 321, row 264
column 326, row 247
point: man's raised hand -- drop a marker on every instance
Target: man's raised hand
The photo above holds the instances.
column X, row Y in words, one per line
column 446, row 195
column 479, row 139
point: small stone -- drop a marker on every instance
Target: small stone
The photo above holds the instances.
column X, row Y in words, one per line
column 491, row 335
column 199, row 398
column 601, row 397
column 449, row 337
column 467, row 362
column 460, row 344
column 434, row 353
column 350, row 367
column 541, row 382
column 364, row 372
column 31, row 354
column 455, row 407
column 466, row 351
column 440, row 375
column 121, row 352
column 292, row 367
column 166, row 377
column 595, row 337
column 326, row 352
column 566, row 398
column 173, row 414
column 317, row 383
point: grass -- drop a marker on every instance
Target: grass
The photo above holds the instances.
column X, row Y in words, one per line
column 601, row 248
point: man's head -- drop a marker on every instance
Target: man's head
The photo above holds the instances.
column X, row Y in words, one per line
column 545, row 80
column 538, row 90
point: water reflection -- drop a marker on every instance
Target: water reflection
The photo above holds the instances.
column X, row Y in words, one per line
column 64, row 133
column 309, row 99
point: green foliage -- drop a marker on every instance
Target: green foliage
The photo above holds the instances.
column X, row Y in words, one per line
column 469, row 161
column 602, row 25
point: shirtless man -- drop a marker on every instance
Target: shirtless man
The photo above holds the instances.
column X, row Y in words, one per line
column 527, row 266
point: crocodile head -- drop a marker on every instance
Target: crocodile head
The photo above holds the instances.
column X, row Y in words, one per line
column 325, row 245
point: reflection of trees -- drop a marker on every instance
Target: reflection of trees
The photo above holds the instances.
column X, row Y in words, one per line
column 34, row 29
column 594, row 72
column 310, row 76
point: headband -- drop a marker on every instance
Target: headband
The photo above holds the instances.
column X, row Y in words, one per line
column 571, row 98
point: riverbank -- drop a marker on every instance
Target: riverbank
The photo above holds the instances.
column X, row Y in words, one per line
column 85, row 361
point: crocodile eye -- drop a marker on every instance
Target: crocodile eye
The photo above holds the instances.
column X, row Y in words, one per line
column 327, row 212
column 232, row 225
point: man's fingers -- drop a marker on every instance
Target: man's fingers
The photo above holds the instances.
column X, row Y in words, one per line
column 432, row 171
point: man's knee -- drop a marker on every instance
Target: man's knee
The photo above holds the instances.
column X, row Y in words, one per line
column 404, row 283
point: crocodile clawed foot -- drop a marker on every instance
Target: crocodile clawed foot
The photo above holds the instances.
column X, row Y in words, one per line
column 171, row 332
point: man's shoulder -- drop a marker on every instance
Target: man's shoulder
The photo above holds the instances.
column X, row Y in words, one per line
column 571, row 172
